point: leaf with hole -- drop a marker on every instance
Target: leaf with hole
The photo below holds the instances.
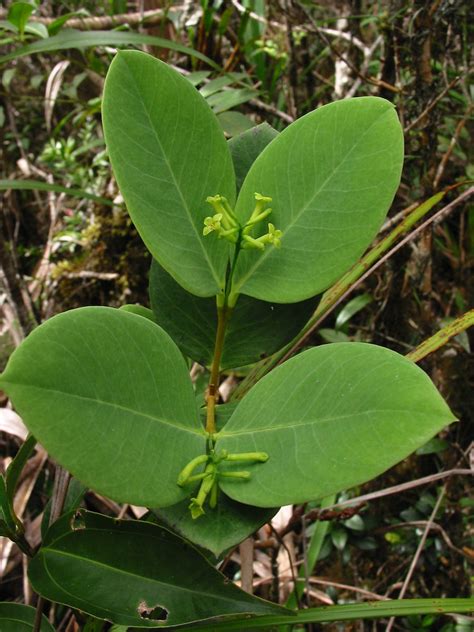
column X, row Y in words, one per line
column 333, row 417
column 168, row 154
column 109, row 396
column 332, row 176
column 136, row 574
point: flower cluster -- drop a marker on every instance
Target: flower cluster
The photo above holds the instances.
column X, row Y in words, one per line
column 226, row 225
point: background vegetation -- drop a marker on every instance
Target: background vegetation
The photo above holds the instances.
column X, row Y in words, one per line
column 255, row 61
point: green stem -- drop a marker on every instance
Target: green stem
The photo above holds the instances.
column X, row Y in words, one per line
column 223, row 315
column 346, row 612
column 442, row 336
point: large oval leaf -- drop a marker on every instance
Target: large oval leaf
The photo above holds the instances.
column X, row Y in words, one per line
column 15, row 617
column 332, row 176
column 168, row 154
column 108, row 395
column 331, row 418
column 136, row 574
column 255, row 330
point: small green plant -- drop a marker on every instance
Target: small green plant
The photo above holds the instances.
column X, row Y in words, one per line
column 244, row 234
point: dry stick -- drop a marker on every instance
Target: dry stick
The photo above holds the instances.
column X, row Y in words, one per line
column 60, row 487
column 416, row 557
column 452, row 144
column 362, row 591
column 395, row 489
column 431, row 105
column 246, row 565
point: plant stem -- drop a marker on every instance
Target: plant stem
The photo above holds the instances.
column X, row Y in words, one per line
column 223, row 315
column 442, row 336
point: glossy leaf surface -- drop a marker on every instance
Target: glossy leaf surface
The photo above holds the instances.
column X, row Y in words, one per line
column 108, row 395
column 15, row 617
column 255, row 330
column 136, row 574
column 332, row 175
column 332, row 417
column 168, row 154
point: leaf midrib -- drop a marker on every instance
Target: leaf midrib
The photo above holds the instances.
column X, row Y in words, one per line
column 267, row 251
column 320, row 420
column 100, row 402
column 178, row 189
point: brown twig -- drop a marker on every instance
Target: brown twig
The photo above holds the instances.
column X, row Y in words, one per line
column 452, row 144
column 246, row 565
column 416, row 557
column 326, row 514
column 395, row 489
column 431, row 105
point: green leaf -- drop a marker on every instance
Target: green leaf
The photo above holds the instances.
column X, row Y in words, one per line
column 16, row 466
column 168, row 154
column 37, row 29
column 15, row 617
column 247, row 147
column 227, row 99
column 339, row 538
column 37, row 185
column 256, row 329
column 195, row 78
column 234, row 123
column 56, row 25
column 19, row 13
column 136, row 574
column 356, row 523
column 68, row 39
column 354, row 306
column 215, row 85
column 109, row 396
column 333, row 335
column 332, row 176
column 139, row 310
column 218, row 529
column 333, row 417
column 7, row 514
column 433, row 446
